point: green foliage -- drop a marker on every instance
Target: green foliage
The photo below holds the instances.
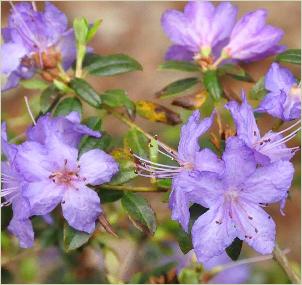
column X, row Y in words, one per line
column 67, row 106
column 34, row 84
column 235, row 71
column 109, row 195
column 48, row 99
column 74, row 239
column 177, row 87
column 290, row 56
column 80, row 27
column 137, row 142
column 188, row 276
column 86, row 92
column 234, row 249
column 139, row 211
column 92, row 30
column 118, row 98
column 258, row 91
column 179, row 65
column 110, row 64
column 212, row 84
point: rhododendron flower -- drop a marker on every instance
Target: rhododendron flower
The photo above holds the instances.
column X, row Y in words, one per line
column 268, row 148
column 235, row 200
column 203, row 31
column 189, row 156
column 12, row 191
column 34, row 40
column 199, row 29
column 56, row 175
column 284, row 98
column 251, row 39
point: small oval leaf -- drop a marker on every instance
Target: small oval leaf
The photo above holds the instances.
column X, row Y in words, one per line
column 179, row 65
column 49, row 97
column 236, row 72
column 137, row 142
column 34, row 84
column 177, row 87
column 139, row 210
column 85, row 92
column 74, row 239
column 258, row 91
column 110, row 65
column 157, row 113
column 68, row 105
column 212, row 84
column 290, row 56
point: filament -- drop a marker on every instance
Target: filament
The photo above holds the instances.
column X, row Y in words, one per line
column 29, row 111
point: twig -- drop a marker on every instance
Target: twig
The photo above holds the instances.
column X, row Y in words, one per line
column 282, row 260
column 131, row 188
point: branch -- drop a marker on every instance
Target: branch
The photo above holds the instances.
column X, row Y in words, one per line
column 282, row 260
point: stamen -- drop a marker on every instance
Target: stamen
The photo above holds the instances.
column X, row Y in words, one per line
column 290, row 127
column 29, row 111
column 151, row 162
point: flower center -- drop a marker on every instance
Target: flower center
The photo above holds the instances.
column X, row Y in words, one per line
column 231, row 195
column 66, row 176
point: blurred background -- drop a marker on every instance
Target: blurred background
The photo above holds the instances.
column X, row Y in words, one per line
column 133, row 28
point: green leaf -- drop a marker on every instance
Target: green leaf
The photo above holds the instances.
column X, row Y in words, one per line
column 62, row 86
column 235, row 71
column 67, row 106
column 290, row 56
column 139, row 210
column 93, row 123
column 85, row 91
column 80, row 27
column 49, row 97
column 92, row 30
column 109, row 196
column 118, row 98
column 188, row 276
column 233, row 251
column 212, row 84
column 137, row 142
column 110, row 64
column 74, row 239
column 34, row 84
column 179, row 65
column 177, row 87
column 258, row 91
column 88, row 143
column 184, row 240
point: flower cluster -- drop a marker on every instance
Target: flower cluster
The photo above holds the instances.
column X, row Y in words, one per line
column 254, row 171
column 206, row 32
column 34, row 41
column 45, row 170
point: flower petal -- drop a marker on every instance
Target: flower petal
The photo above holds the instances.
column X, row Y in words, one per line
column 279, row 78
column 212, row 233
column 239, row 162
column 206, row 160
column 33, row 161
column 190, row 133
column 97, row 167
column 254, row 226
column 11, row 55
column 177, row 52
column 81, row 208
column 43, row 196
column 193, row 187
column 269, row 184
column 243, row 115
column 23, row 230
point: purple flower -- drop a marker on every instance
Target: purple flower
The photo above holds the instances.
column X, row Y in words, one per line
column 34, row 40
column 199, row 29
column 12, row 191
column 235, row 200
column 203, row 31
column 284, row 98
column 268, row 148
column 235, row 275
column 68, row 128
column 251, row 39
column 56, row 175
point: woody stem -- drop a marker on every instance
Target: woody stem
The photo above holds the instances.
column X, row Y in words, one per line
column 131, row 188
column 282, row 260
